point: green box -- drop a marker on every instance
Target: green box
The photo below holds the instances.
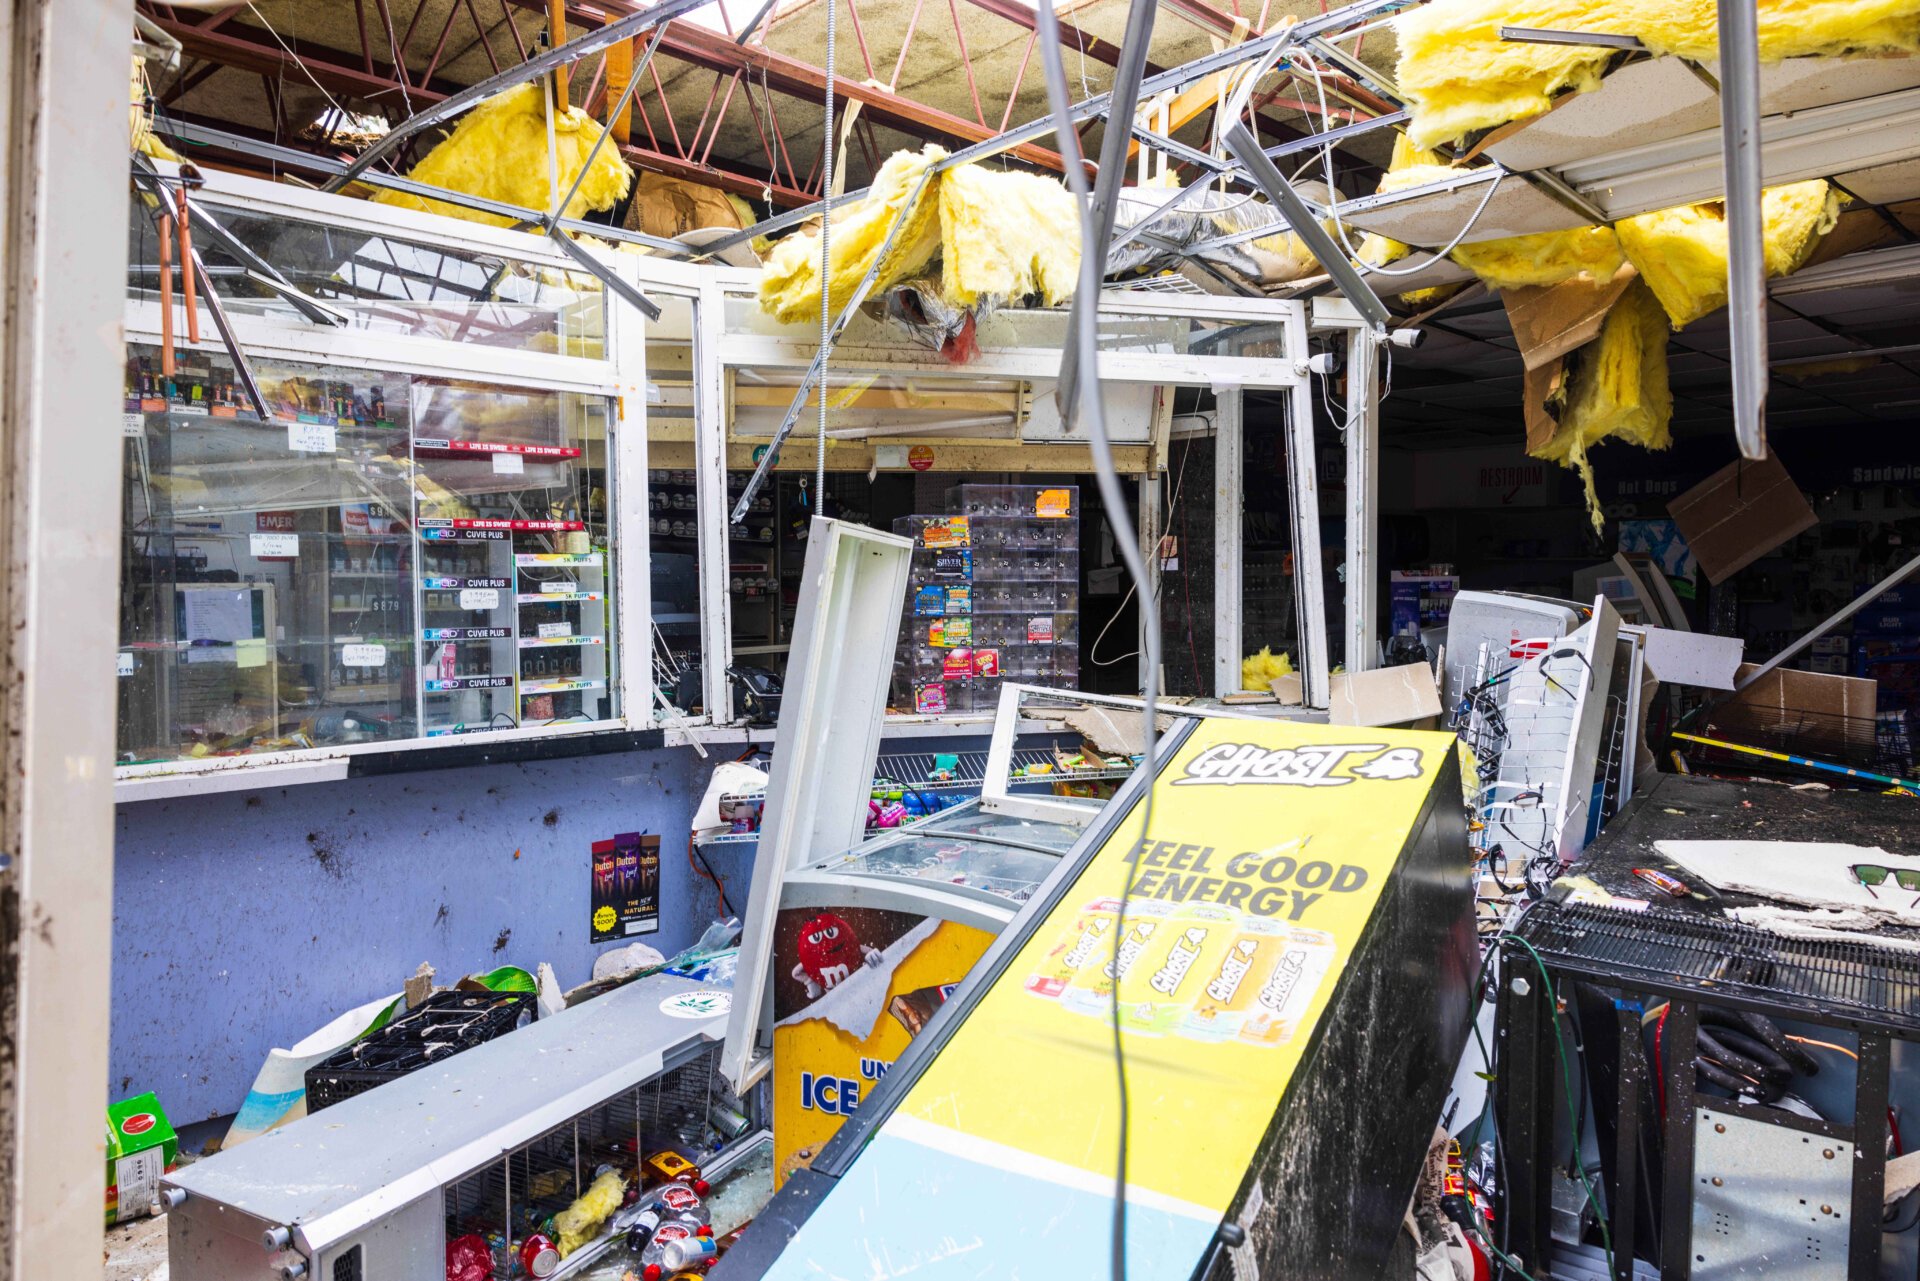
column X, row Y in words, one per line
column 141, row 1146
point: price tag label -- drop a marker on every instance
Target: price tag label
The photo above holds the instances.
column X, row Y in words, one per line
column 555, row 629
column 558, row 589
column 480, row 598
column 133, row 424
column 126, row 663
column 274, row 546
column 508, row 465
column 313, row 438
column 364, row 655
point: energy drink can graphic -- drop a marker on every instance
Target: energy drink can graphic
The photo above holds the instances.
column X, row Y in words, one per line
column 1286, row 992
column 1091, row 987
column 1088, row 942
column 1231, row 986
column 1158, row 991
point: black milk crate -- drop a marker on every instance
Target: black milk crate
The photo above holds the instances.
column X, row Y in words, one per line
column 444, row 1025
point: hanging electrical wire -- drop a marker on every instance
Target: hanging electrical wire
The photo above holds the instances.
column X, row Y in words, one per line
column 826, row 261
column 1089, row 400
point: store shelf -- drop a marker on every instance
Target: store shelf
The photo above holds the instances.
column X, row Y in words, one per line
column 525, row 560
column 350, row 694
column 530, row 688
column 555, row 598
column 481, row 449
column 448, row 685
column 913, row 771
column 554, row 642
column 455, row 584
column 727, row 838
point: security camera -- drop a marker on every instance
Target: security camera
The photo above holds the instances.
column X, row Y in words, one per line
column 1407, row 339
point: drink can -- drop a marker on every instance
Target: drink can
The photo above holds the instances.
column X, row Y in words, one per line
column 1232, row 982
column 1087, row 941
column 1286, row 992
column 1090, row 990
column 538, row 1256
column 1160, row 989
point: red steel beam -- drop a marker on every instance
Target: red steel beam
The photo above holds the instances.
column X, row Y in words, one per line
column 717, row 52
column 339, row 76
column 1070, row 36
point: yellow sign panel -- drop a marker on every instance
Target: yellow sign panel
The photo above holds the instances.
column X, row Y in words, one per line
column 1268, row 849
column 821, row 1072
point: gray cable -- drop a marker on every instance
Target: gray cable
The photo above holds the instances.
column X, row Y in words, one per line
column 1087, row 295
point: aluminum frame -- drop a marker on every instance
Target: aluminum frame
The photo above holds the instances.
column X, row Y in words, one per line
column 619, row 376
column 855, row 582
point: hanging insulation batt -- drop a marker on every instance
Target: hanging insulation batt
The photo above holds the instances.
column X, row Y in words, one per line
column 498, row 151
column 1006, row 235
column 1460, row 77
column 1617, row 387
column 1682, row 253
column 1511, row 263
column 790, row 280
column 1000, row 236
column 1546, row 258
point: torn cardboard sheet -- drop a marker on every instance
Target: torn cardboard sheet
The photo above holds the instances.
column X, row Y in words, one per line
column 1739, row 514
column 1693, row 658
column 1112, row 731
column 1821, row 925
column 1813, row 706
column 1384, row 696
column 1812, row 873
column 1549, row 322
column 855, row 1003
column 1903, row 1176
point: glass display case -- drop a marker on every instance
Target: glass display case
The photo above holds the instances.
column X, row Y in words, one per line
column 390, row 556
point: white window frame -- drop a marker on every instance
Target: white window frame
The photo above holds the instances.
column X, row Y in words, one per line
column 619, row 375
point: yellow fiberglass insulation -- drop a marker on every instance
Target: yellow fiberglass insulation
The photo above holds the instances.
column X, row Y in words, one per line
column 1682, row 252
column 1006, row 235
column 790, row 280
column 1617, row 387
column 1546, row 258
column 1460, row 77
column 580, row 1222
column 499, row 151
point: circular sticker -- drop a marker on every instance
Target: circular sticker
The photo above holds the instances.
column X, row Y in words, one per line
column 138, row 1123
column 920, row 457
column 603, row 919
column 759, row 452
column 702, row 1003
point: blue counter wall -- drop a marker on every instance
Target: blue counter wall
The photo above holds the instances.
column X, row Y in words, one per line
column 245, row 920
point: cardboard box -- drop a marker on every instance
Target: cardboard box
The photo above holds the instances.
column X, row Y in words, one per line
column 1739, row 514
column 1812, row 705
column 141, row 1146
column 1384, row 696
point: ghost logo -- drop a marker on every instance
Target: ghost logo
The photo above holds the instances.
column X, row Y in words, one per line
column 1232, row 970
column 1167, row 978
column 1308, row 765
column 1399, row 762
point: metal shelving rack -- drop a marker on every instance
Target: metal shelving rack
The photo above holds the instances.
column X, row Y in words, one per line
column 915, row 771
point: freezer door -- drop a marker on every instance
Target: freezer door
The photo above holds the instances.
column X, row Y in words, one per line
column 852, row 590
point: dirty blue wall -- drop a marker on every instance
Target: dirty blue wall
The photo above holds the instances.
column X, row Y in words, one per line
column 245, row 920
